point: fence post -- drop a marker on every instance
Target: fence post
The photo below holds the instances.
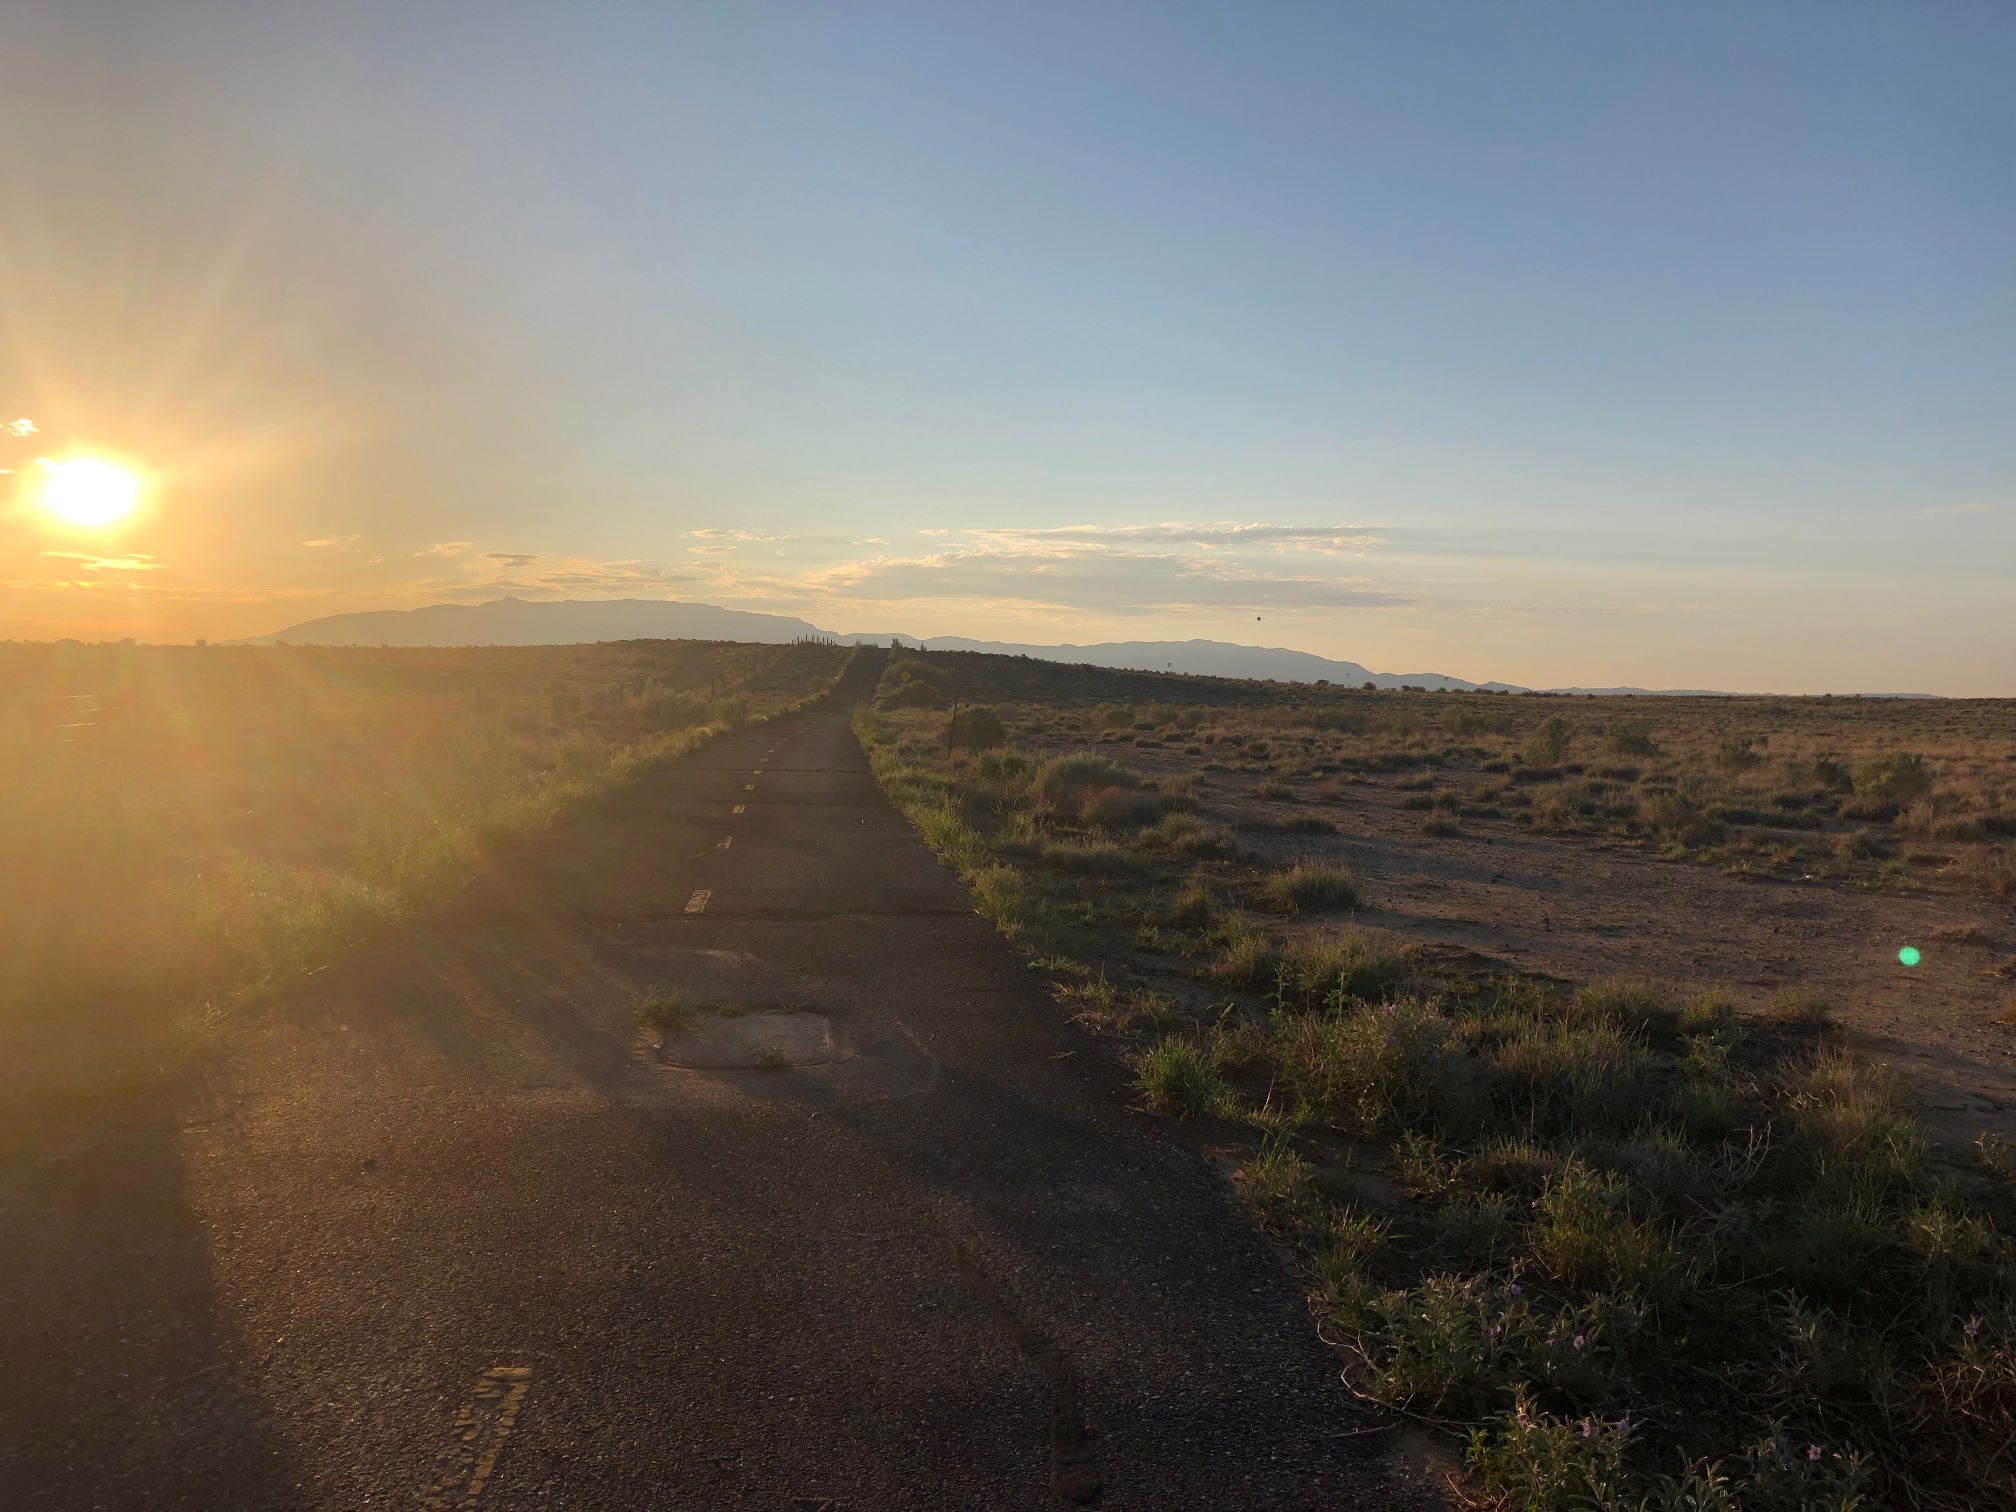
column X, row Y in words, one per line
column 952, row 728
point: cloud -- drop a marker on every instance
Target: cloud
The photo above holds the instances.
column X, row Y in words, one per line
column 22, row 427
column 1971, row 507
column 138, row 561
column 714, row 533
column 1221, row 536
column 324, row 542
column 470, row 572
column 872, row 541
column 1108, row 580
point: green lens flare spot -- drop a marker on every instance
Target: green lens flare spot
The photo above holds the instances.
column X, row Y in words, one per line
column 1909, row 955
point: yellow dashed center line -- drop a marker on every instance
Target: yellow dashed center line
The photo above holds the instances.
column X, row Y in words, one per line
column 698, row 902
column 726, row 841
column 481, row 1427
column 738, row 808
column 748, row 787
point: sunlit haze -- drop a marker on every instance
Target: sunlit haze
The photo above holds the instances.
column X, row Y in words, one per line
column 1562, row 344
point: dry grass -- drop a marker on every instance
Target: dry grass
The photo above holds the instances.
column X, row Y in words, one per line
column 1634, row 1251
column 194, row 827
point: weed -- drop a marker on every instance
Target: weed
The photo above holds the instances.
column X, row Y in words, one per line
column 666, row 1010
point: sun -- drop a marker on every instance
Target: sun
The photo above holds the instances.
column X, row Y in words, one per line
column 88, row 491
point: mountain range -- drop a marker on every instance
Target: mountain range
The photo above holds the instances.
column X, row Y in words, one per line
column 523, row 622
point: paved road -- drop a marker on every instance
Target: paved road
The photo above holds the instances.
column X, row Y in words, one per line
column 447, row 1232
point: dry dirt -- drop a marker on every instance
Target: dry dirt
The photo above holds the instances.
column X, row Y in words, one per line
column 1499, row 898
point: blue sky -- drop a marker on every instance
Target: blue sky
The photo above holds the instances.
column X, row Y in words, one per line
column 1563, row 344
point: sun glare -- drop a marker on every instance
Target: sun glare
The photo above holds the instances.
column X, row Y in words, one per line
column 88, row 491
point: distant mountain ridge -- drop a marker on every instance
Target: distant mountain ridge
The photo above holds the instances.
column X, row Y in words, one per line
column 546, row 622
column 556, row 622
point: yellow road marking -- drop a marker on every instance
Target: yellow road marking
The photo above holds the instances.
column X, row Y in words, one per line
column 738, row 808
column 481, row 1427
column 698, row 902
column 726, row 841
column 748, row 787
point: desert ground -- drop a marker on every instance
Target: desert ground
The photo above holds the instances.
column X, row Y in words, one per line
column 1270, row 1095
column 1527, row 1021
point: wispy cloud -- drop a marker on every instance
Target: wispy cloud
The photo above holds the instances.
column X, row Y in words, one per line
column 1111, row 580
column 469, row 572
column 1219, row 536
column 323, row 543
column 22, row 427
column 714, row 533
column 138, row 561
column 1970, row 507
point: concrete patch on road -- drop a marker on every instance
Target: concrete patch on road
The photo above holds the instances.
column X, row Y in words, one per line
column 723, row 1039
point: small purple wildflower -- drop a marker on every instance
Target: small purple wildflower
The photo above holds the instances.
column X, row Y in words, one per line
column 1973, row 1328
column 1588, row 1429
column 1812, row 1451
column 1580, row 1341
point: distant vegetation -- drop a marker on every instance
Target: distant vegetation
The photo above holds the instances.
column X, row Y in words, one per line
column 1627, row 1246
column 190, row 827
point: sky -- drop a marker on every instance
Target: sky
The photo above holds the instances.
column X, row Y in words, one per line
column 1562, row 344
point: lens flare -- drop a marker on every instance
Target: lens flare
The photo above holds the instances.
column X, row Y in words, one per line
column 1909, row 955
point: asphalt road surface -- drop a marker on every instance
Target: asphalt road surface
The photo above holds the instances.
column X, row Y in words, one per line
column 447, row 1230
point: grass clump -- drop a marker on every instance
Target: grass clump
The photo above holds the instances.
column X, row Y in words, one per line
column 1178, row 1077
column 1000, row 895
column 1801, row 1008
column 1310, row 885
column 1335, row 970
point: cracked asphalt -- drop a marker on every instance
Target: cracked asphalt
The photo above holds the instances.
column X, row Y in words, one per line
column 446, row 1230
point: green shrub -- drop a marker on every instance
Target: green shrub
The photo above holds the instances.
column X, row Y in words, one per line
column 1738, row 753
column 1563, row 1077
column 1585, row 1234
column 1629, row 737
column 1195, row 905
column 1894, row 780
column 1002, row 766
column 1548, row 743
column 1120, row 808
column 1676, row 816
column 916, row 693
column 1335, row 970
column 1397, row 1066
column 977, row 729
column 1063, row 780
